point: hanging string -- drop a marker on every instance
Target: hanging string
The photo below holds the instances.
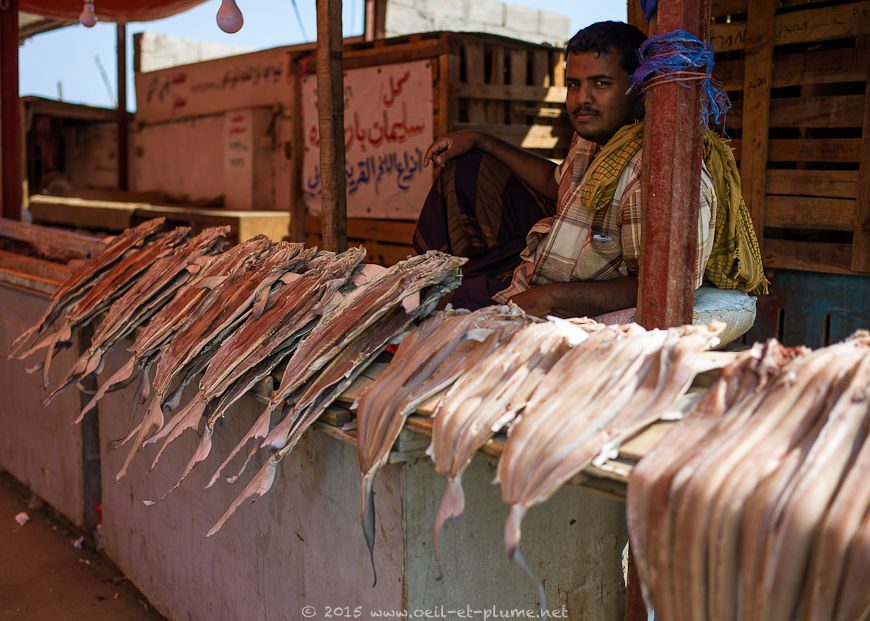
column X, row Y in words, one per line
column 681, row 57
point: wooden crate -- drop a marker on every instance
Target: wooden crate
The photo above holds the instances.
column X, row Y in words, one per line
column 509, row 88
column 796, row 72
column 386, row 241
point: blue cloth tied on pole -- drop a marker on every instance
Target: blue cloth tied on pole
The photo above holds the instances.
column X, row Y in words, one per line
column 681, row 57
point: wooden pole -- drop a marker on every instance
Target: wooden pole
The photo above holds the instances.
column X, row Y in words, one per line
column 672, row 152
column 375, row 20
column 330, row 116
column 10, row 113
column 123, row 165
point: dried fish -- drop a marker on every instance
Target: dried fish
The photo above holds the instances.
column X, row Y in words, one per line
column 346, row 340
column 622, row 384
column 758, row 519
column 90, row 272
column 487, row 398
column 251, row 353
column 163, row 325
column 222, row 311
column 148, row 294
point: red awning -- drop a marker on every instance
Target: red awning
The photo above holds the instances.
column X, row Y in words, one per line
column 118, row 11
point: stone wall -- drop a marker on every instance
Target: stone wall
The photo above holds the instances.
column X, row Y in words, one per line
column 491, row 16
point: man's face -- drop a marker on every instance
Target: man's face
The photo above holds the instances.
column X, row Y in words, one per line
column 597, row 103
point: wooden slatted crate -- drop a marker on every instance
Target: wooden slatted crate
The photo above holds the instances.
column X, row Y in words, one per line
column 796, row 72
column 506, row 87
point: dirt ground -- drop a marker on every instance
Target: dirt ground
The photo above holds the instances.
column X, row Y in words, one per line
column 44, row 575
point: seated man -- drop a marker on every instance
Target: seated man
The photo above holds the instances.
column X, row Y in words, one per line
column 579, row 256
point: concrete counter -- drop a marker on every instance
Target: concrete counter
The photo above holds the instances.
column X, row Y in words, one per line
column 302, row 544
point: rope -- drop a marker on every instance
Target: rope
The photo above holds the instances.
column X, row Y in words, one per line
column 681, row 57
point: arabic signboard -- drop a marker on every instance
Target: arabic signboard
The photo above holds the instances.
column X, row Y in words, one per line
column 244, row 81
column 387, row 128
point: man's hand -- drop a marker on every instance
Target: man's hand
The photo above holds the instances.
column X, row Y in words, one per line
column 451, row 146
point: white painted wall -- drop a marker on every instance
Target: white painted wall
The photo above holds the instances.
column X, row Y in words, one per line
column 38, row 444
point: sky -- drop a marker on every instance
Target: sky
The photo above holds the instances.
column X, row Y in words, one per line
column 77, row 64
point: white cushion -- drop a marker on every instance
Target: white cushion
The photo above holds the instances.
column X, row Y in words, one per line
column 735, row 308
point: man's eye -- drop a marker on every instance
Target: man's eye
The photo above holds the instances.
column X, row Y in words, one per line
column 601, row 84
column 573, row 85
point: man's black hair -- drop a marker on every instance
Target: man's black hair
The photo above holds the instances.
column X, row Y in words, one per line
column 607, row 37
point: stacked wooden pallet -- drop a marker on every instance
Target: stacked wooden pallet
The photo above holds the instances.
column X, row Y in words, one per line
column 796, row 72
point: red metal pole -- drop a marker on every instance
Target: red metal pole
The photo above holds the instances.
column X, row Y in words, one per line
column 10, row 113
column 673, row 147
column 123, row 165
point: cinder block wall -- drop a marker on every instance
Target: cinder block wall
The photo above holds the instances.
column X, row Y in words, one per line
column 491, row 16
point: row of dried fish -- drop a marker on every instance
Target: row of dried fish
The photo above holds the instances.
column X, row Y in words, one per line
column 756, row 505
column 227, row 319
column 568, row 392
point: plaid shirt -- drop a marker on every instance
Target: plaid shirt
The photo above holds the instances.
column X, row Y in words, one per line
column 585, row 244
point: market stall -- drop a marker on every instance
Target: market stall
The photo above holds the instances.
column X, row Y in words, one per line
column 294, row 387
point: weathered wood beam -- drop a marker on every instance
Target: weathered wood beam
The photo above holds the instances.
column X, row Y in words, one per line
column 673, row 143
column 330, row 116
column 756, row 110
column 122, row 117
column 10, row 113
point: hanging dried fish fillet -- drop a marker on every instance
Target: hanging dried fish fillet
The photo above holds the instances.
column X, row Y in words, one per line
column 346, row 340
column 257, row 347
column 610, row 386
column 761, row 517
column 415, row 373
column 163, row 325
column 147, row 295
column 487, row 398
column 223, row 310
column 113, row 284
column 90, row 272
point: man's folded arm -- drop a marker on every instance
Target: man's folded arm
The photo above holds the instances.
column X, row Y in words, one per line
column 578, row 298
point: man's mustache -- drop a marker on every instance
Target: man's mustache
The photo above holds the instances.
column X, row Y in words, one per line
column 584, row 110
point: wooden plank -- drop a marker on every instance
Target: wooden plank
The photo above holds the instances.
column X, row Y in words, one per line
column 808, row 256
column 30, row 266
column 513, row 92
column 810, row 212
column 474, row 76
column 96, row 217
column 330, row 117
column 672, row 153
column 822, row 111
column 10, row 115
column 396, row 50
column 376, row 252
column 805, row 26
column 721, row 8
column 825, row 183
column 27, row 282
column 296, row 227
column 528, row 137
column 822, row 24
column 808, row 149
column 449, row 103
column 830, row 111
column 519, row 76
column 393, row 231
column 495, row 110
column 541, row 68
column 825, row 67
column 54, row 240
column 861, row 231
column 756, row 110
